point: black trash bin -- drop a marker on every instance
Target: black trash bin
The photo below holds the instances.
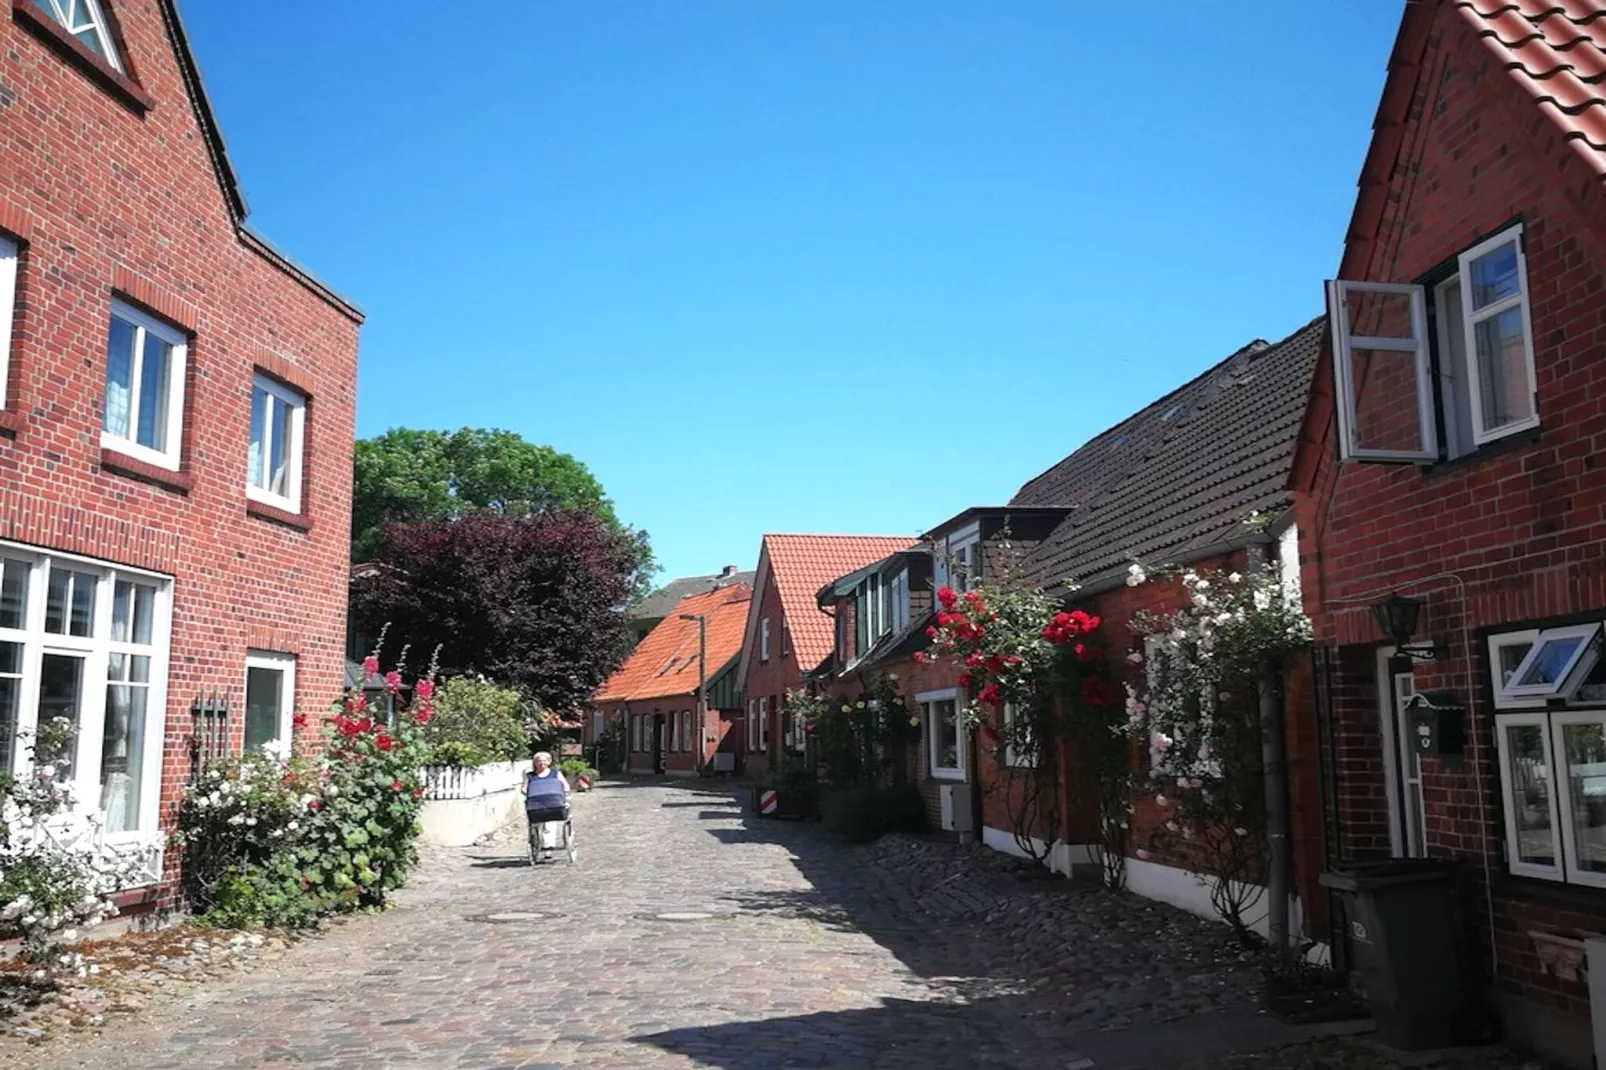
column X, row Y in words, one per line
column 1402, row 931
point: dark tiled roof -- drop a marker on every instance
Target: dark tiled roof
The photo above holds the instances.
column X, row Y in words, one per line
column 1181, row 474
column 658, row 604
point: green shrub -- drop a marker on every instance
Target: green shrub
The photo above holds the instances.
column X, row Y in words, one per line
column 576, row 767
column 458, row 755
column 863, row 813
column 495, row 720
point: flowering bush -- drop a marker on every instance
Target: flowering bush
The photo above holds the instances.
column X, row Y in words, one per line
column 1195, row 705
column 1034, row 676
column 850, row 734
column 56, row 873
column 478, row 721
column 282, row 843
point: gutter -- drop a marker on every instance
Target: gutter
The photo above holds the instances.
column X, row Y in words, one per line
column 254, row 241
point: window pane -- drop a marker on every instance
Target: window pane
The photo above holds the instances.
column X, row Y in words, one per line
column 70, row 602
column 122, row 764
column 13, row 593
column 260, row 400
column 1503, row 369
column 119, row 376
column 263, row 702
column 61, row 692
column 1494, row 276
column 1384, row 386
column 10, row 699
column 133, row 607
column 1585, row 745
column 279, row 466
column 1552, row 662
column 946, row 723
column 1530, row 782
column 154, row 370
column 1511, row 656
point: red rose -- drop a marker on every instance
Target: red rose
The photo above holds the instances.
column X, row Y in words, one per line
column 931, row 633
column 964, row 679
column 920, row 658
column 947, row 597
column 299, row 720
column 973, row 659
column 994, row 663
column 384, row 742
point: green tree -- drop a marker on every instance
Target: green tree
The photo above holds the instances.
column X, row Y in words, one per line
column 407, row 475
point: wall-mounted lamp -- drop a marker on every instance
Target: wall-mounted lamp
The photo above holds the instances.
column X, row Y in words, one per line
column 1397, row 618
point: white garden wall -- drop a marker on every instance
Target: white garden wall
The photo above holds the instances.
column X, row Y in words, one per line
column 462, row 806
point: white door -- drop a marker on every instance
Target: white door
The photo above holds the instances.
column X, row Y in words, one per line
column 1401, row 762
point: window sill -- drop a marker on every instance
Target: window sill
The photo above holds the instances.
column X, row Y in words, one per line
column 130, row 899
column 953, row 775
column 263, row 511
column 1515, row 441
column 122, row 464
column 124, row 89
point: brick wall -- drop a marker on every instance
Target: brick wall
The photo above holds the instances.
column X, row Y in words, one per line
column 769, row 680
column 109, row 198
column 1511, row 535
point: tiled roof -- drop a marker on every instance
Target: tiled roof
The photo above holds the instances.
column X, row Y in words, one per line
column 802, row 564
column 1181, row 474
column 1556, row 50
column 658, row 604
column 665, row 662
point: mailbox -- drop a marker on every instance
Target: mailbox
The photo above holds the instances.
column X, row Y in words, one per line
column 1438, row 726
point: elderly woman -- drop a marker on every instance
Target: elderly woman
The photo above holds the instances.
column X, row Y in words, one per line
column 545, row 790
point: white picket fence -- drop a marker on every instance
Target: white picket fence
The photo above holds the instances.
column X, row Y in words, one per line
column 442, row 782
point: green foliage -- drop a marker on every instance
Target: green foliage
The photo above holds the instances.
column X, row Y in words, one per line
column 406, row 475
column 576, row 767
column 482, row 719
column 866, row 812
column 849, row 736
column 283, row 844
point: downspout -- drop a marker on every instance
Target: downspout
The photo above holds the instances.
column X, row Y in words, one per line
column 1274, row 766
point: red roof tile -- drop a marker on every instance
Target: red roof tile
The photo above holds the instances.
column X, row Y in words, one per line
column 1556, row 50
column 665, row 661
column 802, row 564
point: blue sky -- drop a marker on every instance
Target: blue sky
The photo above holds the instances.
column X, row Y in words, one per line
column 834, row 266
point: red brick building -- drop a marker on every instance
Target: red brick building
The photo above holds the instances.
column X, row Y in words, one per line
column 788, row 634
column 176, row 422
column 1450, row 456
column 653, row 696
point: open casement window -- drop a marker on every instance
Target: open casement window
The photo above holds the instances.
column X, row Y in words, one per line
column 1524, row 744
column 1553, row 786
column 8, row 304
column 1559, row 660
column 1382, row 371
column 1506, row 652
column 1498, row 336
column 945, row 737
column 86, row 21
column 145, row 368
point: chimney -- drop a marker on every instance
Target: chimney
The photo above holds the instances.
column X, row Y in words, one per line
column 730, row 570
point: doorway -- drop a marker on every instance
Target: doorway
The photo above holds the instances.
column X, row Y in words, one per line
column 1402, row 766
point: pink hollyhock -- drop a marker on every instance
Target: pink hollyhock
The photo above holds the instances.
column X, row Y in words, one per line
column 384, row 742
column 395, row 785
column 370, row 665
column 424, row 688
column 423, row 715
column 418, row 793
column 393, row 681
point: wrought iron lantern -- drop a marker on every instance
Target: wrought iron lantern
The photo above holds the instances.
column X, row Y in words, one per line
column 1397, row 617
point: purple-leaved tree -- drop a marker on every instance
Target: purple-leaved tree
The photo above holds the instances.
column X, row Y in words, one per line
column 533, row 601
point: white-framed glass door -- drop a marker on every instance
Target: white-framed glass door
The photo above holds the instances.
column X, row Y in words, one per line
column 1402, row 763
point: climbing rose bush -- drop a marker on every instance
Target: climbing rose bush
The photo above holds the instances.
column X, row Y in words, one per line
column 283, row 843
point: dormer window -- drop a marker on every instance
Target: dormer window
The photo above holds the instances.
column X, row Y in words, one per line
column 86, row 21
column 960, row 566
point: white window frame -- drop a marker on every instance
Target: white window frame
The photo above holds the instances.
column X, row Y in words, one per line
column 1470, row 319
column 284, row 664
column 1344, row 345
column 764, row 724
column 597, row 719
column 927, row 701
column 686, row 730
column 1012, row 757
column 764, row 639
column 10, row 256
column 1518, row 867
column 963, row 543
column 95, row 650
column 1575, row 668
column 752, row 725
column 177, row 372
column 91, row 20
column 786, row 639
column 1288, row 565
column 898, row 601
column 1497, row 643
column 296, row 402
column 1562, row 790
column 1402, row 763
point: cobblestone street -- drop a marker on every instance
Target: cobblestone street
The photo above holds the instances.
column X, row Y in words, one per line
column 691, row 936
